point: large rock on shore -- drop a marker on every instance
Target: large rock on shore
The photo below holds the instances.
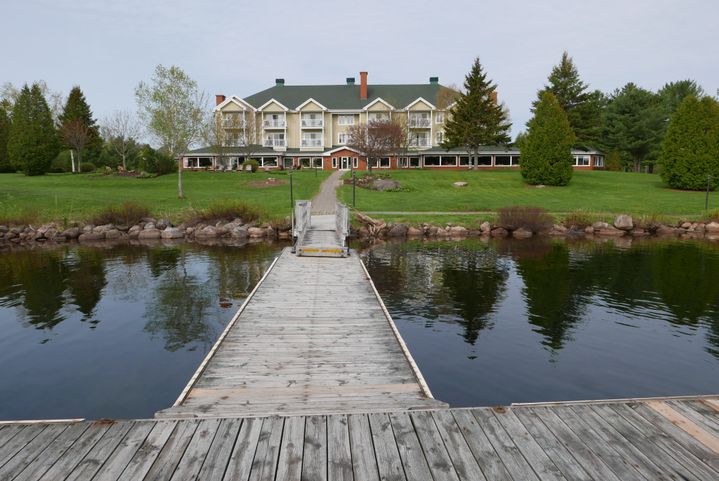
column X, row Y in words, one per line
column 397, row 230
column 522, row 233
column 91, row 236
column 712, row 227
column 172, row 233
column 149, row 234
column 624, row 222
column 207, row 232
column 239, row 232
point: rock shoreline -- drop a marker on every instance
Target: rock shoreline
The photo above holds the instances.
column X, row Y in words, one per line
column 150, row 229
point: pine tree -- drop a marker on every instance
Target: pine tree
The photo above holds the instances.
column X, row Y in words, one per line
column 32, row 144
column 546, row 152
column 76, row 108
column 477, row 119
column 4, row 135
column 690, row 149
column 583, row 108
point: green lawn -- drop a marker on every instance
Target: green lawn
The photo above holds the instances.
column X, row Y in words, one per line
column 75, row 197
column 597, row 192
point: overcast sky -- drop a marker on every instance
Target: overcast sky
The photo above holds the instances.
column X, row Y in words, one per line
column 240, row 47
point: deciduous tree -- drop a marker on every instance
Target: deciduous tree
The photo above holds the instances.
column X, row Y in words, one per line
column 376, row 139
column 76, row 135
column 32, row 143
column 173, row 110
column 546, row 148
column 121, row 131
column 690, row 149
column 476, row 118
column 4, row 135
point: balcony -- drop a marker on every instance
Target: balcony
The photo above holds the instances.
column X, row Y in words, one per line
column 312, row 123
column 233, row 124
column 274, row 143
column 274, row 124
column 421, row 142
column 419, row 122
column 311, row 143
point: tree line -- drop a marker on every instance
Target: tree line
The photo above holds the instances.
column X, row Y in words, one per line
column 673, row 130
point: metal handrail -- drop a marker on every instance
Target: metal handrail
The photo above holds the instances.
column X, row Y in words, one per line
column 302, row 219
column 342, row 223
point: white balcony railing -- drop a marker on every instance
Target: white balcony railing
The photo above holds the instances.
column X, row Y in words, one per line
column 420, row 142
column 419, row 122
column 312, row 123
column 233, row 124
column 274, row 143
column 311, row 143
column 274, row 124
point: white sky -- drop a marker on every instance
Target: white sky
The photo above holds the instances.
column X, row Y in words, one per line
column 240, row 47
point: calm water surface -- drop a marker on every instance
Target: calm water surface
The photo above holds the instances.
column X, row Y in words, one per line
column 496, row 323
column 117, row 332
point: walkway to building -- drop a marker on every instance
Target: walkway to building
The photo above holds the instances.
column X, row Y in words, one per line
column 313, row 338
column 611, row 441
column 326, row 200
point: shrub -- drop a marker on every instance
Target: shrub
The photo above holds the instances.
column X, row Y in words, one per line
column 225, row 211
column 579, row 219
column 23, row 218
column 155, row 161
column 128, row 213
column 87, row 167
column 546, row 153
column 535, row 219
column 690, row 149
column 253, row 163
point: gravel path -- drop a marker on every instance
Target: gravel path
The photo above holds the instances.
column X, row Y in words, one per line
column 326, row 201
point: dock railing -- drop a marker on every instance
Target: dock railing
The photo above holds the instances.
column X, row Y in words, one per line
column 342, row 223
column 301, row 220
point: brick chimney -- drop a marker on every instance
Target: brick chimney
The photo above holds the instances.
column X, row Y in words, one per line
column 363, row 85
column 493, row 96
column 219, row 99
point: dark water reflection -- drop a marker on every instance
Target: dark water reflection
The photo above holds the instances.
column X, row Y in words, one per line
column 496, row 323
column 114, row 332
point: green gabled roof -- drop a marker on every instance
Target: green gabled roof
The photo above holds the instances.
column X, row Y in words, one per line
column 339, row 97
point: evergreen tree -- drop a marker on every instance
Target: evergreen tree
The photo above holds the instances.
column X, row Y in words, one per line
column 673, row 93
column 633, row 124
column 77, row 109
column 690, row 149
column 4, row 135
column 546, row 152
column 32, row 144
column 583, row 108
column 477, row 119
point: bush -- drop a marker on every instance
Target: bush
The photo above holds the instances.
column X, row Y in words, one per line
column 546, row 153
column 690, row 149
column 128, row 213
column 535, row 219
column 87, row 167
column 578, row 219
column 253, row 163
column 155, row 162
column 226, row 211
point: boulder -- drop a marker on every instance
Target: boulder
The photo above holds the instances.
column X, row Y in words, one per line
column 639, row 232
column 149, row 234
column 458, row 230
column 600, row 225
column 172, row 233
column 687, row 226
column 499, row 232
column 270, row 232
column 149, row 226
column 3, row 229
column 163, row 224
column 459, row 184
column 256, row 232
column 624, row 222
column 285, row 234
column 712, row 227
column 522, row 233
column 103, row 228
column 87, row 228
column 113, row 234
column 665, row 231
column 558, row 229
column 239, row 232
column 91, row 236
column 71, row 233
column 397, row 230
column 414, row 232
column 485, row 227
column 385, row 184
column 589, row 230
column 206, row 232
column 610, row 231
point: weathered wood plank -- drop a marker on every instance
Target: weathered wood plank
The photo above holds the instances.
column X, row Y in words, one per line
column 314, row 464
column 100, row 452
column 76, row 453
column 55, row 450
column 704, row 437
column 194, row 456
column 410, row 450
column 484, row 453
column 339, row 455
column 289, row 466
column 218, row 456
column 364, row 461
column 385, row 447
column 125, row 451
column 145, row 456
column 31, row 451
column 243, row 454
column 171, row 453
column 264, row 466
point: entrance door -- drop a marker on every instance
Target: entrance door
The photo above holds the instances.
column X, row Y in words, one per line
column 345, row 163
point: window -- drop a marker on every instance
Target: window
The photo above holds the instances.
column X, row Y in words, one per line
column 384, row 163
column 269, row 162
column 288, row 162
column 232, row 120
column 419, row 120
column 334, row 162
column 275, row 120
column 419, row 139
column 439, row 117
column 312, row 120
column 355, row 162
column 311, row 139
column 448, row 160
column 515, row 160
column 484, row 160
column 431, row 160
column 317, row 162
column 502, row 160
column 346, row 120
column 464, row 160
column 275, row 139
column 377, row 116
column 439, row 137
column 581, row 160
column 343, row 138
column 305, row 162
column 414, row 161
column 598, row 161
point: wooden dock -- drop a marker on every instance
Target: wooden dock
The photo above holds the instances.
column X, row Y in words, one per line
column 313, row 338
column 675, row 439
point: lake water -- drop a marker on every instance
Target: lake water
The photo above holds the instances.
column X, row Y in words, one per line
column 117, row 332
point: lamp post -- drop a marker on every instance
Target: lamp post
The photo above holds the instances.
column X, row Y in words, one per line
column 354, row 189
column 292, row 194
column 706, row 200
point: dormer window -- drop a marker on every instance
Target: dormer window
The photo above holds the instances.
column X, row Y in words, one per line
column 346, row 120
column 378, row 116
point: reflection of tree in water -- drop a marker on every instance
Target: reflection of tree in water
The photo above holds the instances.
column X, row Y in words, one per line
column 180, row 305
column 161, row 259
column 86, row 279
column 555, row 292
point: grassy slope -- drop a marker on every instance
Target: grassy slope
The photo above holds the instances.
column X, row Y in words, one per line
column 74, row 197
column 591, row 191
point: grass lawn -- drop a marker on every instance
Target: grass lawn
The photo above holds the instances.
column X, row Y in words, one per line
column 75, row 197
column 594, row 192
